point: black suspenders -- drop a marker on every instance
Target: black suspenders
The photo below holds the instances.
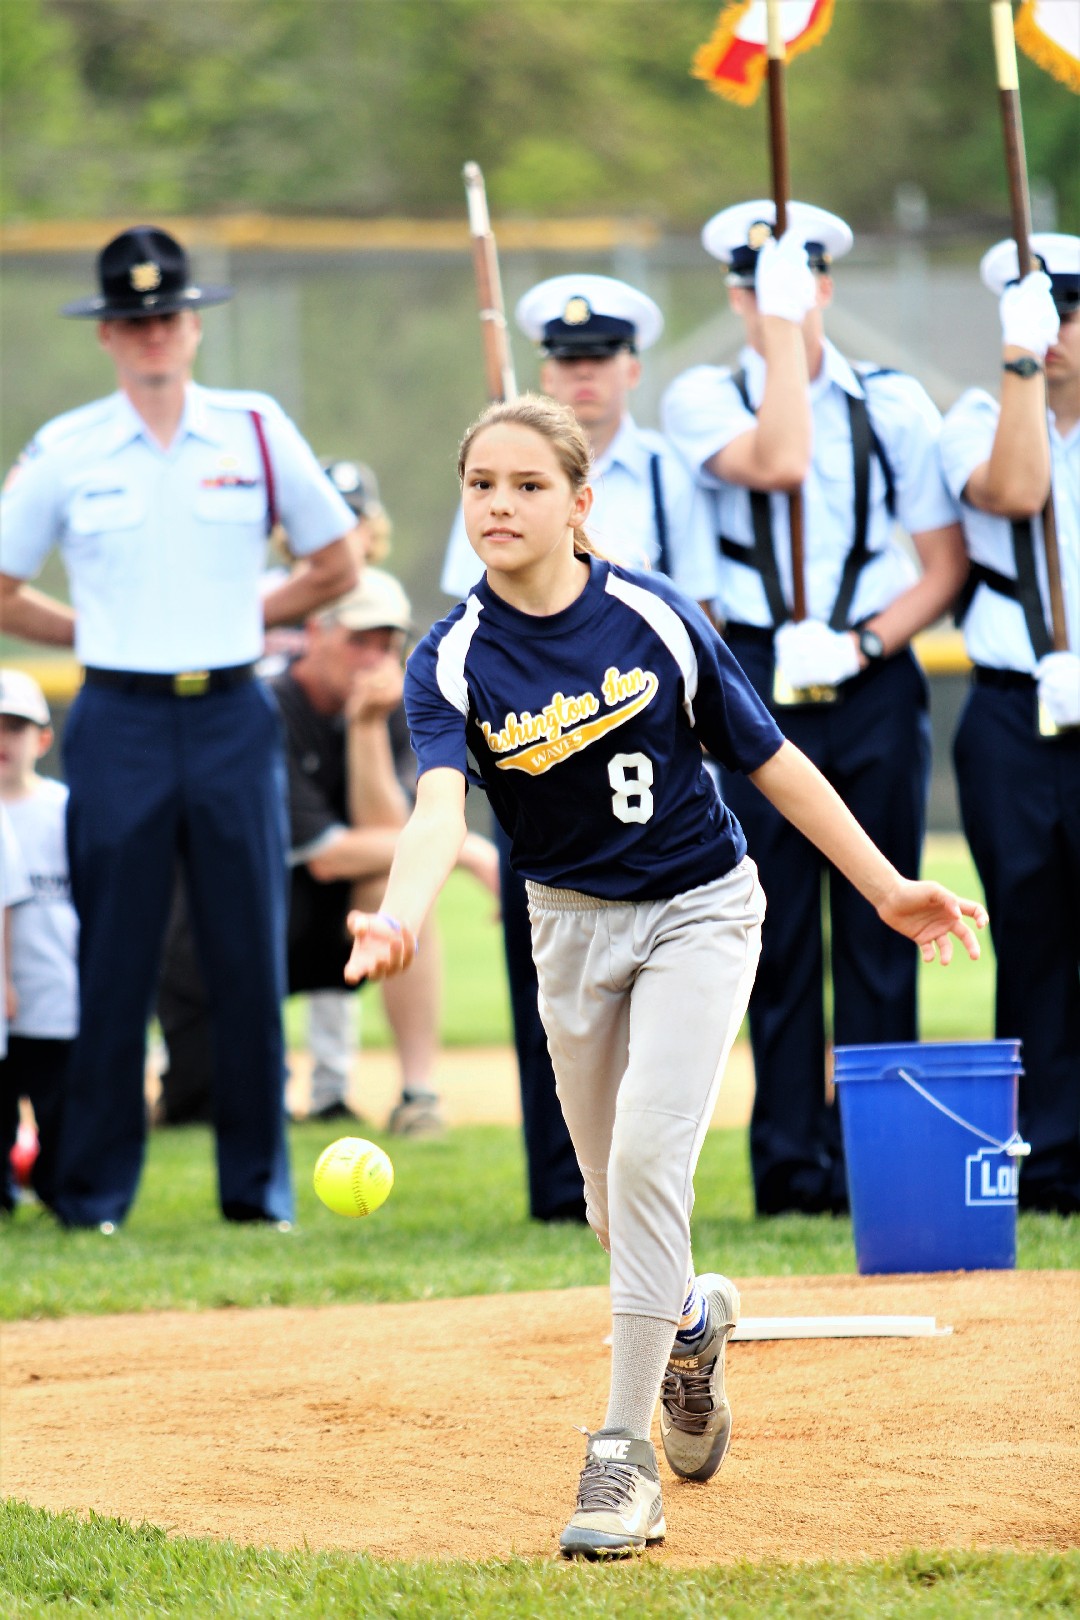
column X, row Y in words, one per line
column 858, row 554
column 659, row 514
column 1023, row 589
column 762, row 554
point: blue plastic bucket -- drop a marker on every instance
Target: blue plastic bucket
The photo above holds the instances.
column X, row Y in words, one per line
column 933, row 1155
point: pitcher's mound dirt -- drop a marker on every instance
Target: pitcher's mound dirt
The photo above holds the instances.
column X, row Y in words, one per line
column 444, row 1429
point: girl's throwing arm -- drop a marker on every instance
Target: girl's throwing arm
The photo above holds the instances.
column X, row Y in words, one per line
column 384, row 942
column 925, row 912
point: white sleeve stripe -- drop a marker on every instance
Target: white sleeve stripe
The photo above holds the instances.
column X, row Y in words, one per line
column 453, row 651
column 668, row 626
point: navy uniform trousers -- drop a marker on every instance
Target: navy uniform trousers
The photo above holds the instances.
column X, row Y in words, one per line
column 1020, row 802
column 556, row 1188
column 151, row 776
column 873, row 745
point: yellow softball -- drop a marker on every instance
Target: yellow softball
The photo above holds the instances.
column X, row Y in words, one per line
column 353, row 1177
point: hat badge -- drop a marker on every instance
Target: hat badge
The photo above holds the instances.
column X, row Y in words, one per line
column 758, row 234
column 145, row 277
column 577, row 311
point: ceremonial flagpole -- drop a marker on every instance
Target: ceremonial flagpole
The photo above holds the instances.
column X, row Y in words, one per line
column 498, row 361
column 781, row 190
column 1001, row 16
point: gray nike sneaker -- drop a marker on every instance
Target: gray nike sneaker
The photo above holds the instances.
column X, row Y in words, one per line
column 695, row 1418
column 619, row 1510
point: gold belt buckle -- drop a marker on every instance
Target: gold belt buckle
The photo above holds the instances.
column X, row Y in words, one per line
column 191, row 683
column 786, row 696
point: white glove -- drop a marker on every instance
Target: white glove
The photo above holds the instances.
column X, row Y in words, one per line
column 1059, row 687
column 783, row 280
column 1029, row 318
column 810, row 654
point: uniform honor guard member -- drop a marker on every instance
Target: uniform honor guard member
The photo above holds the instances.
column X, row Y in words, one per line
column 160, row 498
column 860, row 443
column 647, row 513
column 1019, row 790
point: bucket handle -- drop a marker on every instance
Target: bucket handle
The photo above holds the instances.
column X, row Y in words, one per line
column 1015, row 1147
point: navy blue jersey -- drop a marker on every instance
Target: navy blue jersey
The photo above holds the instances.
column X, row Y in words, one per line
column 586, row 728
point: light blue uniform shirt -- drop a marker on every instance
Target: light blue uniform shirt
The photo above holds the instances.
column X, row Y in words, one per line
column 164, row 549
column 623, row 518
column 703, row 413
column 995, row 632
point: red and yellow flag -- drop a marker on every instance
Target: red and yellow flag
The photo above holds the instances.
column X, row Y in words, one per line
column 733, row 61
column 1049, row 32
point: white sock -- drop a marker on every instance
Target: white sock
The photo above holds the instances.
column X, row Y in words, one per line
column 640, row 1346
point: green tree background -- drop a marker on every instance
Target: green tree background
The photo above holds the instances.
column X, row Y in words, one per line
column 368, row 107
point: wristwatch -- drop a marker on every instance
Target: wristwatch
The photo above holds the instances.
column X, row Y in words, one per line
column 871, row 646
column 1025, row 367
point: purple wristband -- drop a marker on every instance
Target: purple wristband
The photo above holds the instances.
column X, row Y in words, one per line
column 392, row 922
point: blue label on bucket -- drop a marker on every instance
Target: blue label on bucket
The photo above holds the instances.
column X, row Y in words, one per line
column 993, row 1178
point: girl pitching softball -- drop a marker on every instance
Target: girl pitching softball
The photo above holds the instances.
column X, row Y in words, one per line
column 580, row 694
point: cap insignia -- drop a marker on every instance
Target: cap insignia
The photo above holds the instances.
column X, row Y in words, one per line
column 577, row 311
column 758, row 234
column 145, row 277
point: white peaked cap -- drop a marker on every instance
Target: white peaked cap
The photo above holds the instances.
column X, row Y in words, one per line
column 578, row 300
column 1000, row 264
column 732, row 230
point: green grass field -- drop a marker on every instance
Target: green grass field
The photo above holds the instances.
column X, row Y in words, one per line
column 59, row 1564
column 457, row 1225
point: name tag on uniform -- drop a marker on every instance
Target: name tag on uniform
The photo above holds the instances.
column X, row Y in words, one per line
column 97, row 508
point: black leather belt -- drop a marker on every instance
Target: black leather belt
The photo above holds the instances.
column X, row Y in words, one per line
column 1006, row 680
column 186, row 683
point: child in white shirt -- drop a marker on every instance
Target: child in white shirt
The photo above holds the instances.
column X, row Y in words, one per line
column 44, row 932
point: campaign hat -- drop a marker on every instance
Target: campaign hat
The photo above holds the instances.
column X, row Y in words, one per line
column 1051, row 251
column 142, row 272
column 735, row 236
column 577, row 316
column 22, row 698
column 378, row 602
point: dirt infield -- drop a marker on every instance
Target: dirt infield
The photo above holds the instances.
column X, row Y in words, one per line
column 479, row 1085
column 444, row 1429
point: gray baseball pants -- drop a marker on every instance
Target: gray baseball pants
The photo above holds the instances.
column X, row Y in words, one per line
column 641, row 1002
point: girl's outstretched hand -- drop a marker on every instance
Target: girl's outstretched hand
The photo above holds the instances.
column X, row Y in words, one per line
column 381, row 946
column 930, row 914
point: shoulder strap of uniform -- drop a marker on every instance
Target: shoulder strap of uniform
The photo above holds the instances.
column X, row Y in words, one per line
column 739, row 379
column 864, row 374
column 1027, row 586
column 980, row 574
column 857, row 555
column 268, row 471
column 762, row 554
column 864, row 443
column 1023, row 589
column 659, row 514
